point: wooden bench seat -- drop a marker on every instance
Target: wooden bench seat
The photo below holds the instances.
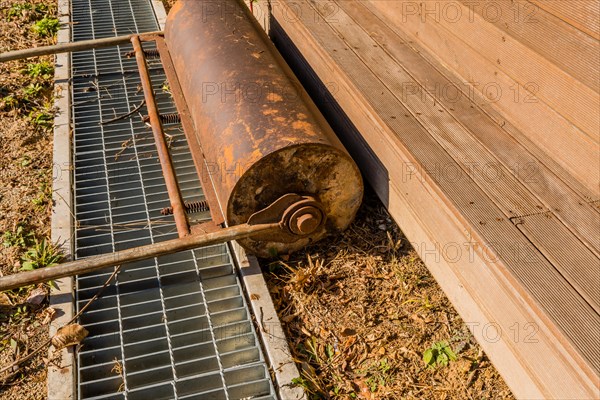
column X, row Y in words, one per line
column 500, row 198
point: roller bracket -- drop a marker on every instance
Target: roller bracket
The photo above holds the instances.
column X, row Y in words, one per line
column 298, row 216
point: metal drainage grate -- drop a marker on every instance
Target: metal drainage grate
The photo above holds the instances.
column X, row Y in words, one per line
column 178, row 326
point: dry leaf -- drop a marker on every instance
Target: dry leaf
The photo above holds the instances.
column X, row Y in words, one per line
column 363, row 389
column 348, row 332
column 323, row 333
column 118, row 367
column 349, row 341
column 69, row 335
column 5, row 300
column 48, row 314
column 371, row 337
column 308, row 369
column 288, row 318
column 36, row 296
column 304, row 331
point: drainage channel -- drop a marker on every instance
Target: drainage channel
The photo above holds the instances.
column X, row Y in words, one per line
column 176, row 326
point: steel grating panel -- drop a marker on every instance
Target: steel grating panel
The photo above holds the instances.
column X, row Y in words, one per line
column 178, row 325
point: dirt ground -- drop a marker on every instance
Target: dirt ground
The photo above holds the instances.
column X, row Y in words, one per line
column 360, row 311
column 26, row 119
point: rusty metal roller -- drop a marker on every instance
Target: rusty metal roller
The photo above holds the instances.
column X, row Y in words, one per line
column 260, row 133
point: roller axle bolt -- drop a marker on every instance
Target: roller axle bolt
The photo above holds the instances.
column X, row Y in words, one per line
column 307, row 224
column 305, row 220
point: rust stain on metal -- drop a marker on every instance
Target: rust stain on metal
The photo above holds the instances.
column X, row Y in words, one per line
column 161, row 145
column 253, row 136
column 170, row 118
column 188, row 127
column 259, row 135
column 190, row 207
column 205, row 227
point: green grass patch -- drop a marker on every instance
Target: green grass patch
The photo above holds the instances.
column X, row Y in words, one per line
column 438, row 355
column 46, row 27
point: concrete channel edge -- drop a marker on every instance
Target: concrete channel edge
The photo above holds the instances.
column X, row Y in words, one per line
column 61, row 376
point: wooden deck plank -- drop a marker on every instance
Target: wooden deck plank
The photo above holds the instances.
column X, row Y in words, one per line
column 574, row 261
column 573, row 100
column 523, row 263
column 567, row 47
column 582, row 14
column 395, row 44
column 410, row 201
column 552, row 191
column 474, row 159
column 571, row 147
column 419, row 216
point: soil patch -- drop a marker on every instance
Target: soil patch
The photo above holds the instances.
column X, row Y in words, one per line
column 362, row 315
column 26, row 119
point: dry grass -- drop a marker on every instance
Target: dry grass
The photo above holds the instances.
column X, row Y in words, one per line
column 359, row 311
column 25, row 186
column 168, row 4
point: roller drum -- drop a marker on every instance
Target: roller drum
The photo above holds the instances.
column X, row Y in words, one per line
column 261, row 135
